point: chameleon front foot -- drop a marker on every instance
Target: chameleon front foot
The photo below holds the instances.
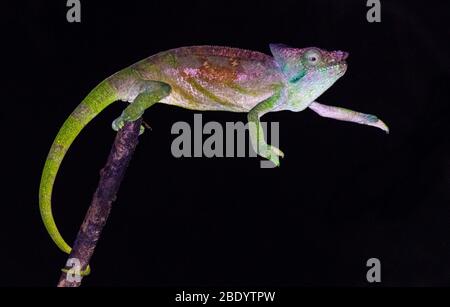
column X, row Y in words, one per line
column 83, row 273
column 272, row 154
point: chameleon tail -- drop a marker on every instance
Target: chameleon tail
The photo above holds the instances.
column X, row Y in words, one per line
column 98, row 99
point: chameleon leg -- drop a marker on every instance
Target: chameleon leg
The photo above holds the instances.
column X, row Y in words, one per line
column 257, row 133
column 348, row 115
column 151, row 93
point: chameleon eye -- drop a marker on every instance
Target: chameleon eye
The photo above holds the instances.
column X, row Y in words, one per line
column 312, row 56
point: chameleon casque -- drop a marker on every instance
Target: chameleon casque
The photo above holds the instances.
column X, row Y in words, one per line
column 208, row 78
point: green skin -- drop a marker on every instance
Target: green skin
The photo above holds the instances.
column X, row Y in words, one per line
column 208, row 78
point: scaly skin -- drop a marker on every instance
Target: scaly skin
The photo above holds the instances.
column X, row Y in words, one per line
column 208, row 78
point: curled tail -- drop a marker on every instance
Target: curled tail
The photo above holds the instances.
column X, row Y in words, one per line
column 98, row 99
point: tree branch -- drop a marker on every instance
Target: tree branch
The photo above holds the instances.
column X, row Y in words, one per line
column 110, row 178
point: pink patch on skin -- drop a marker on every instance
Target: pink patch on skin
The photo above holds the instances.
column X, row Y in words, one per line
column 339, row 55
column 191, row 72
column 242, row 77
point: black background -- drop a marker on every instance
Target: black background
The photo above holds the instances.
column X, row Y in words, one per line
column 344, row 192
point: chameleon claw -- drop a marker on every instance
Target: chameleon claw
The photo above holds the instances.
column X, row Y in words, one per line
column 380, row 124
column 118, row 123
column 276, row 151
column 275, row 160
column 372, row 120
column 272, row 154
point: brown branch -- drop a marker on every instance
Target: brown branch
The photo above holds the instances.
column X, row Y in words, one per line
column 110, row 178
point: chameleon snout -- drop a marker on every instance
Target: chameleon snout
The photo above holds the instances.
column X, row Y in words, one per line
column 344, row 55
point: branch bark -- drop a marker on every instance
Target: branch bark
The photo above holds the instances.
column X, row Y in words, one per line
column 110, row 178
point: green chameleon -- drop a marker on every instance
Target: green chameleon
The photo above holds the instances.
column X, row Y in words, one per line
column 208, row 78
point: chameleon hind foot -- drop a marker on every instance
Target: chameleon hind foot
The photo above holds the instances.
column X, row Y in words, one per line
column 119, row 122
column 153, row 92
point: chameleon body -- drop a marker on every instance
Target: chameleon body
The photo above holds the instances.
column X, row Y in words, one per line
column 209, row 78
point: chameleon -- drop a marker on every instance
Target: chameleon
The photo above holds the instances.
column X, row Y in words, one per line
column 211, row 78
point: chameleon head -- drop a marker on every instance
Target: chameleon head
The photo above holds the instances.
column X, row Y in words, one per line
column 318, row 63
column 309, row 71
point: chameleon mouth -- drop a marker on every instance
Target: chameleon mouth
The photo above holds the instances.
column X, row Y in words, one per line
column 339, row 68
